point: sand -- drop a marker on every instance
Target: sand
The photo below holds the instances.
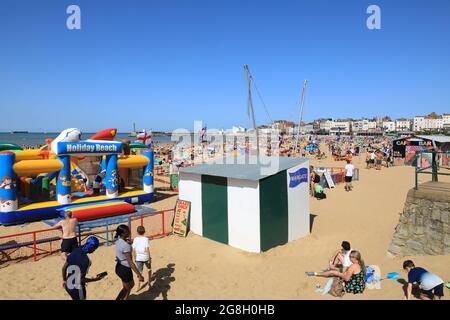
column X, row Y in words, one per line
column 198, row 268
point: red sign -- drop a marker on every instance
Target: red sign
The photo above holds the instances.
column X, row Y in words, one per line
column 181, row 217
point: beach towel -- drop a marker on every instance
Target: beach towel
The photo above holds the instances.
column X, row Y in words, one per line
column 327, row 287
column 370, row 273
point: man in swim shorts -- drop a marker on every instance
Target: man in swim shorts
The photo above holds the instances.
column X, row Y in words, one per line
column 69, row 237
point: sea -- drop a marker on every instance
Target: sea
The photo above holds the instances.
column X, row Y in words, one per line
column 35, row 139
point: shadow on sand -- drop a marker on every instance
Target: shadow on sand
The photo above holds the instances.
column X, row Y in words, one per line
column 161, row 285
column 415, row 290
column 311, row 221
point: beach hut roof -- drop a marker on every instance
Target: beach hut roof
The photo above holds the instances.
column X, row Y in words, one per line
column 246, row 168
column 437, row 138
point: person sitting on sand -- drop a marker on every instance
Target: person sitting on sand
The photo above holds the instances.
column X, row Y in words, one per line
column 354, row 277
column 76, row 268
column 69, row 236
column 432, row 287
column 341, row 259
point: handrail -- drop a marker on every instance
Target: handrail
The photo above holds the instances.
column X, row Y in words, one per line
column 434, row 165
column 35, row 241
column 27, row 233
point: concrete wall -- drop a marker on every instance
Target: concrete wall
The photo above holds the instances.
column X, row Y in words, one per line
column 424, row 226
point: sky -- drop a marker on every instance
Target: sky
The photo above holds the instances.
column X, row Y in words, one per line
column 164, row 64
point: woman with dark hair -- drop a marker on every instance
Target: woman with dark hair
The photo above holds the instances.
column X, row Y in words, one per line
column 125, row 264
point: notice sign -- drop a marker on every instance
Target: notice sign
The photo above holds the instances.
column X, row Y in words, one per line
column 330, row 181
column 89, row 147
column 181, row 217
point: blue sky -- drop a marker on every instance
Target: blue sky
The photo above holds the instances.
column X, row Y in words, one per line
column 166, row 63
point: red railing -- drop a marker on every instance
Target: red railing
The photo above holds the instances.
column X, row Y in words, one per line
column 165, row 229
column 20, row 246
column 15, row 244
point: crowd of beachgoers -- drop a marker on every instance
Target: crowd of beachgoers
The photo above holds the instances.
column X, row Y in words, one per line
column 346, row 269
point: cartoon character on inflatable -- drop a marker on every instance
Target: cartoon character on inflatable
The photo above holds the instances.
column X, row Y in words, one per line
column 68, row 135
column 9, row 203
column 114, row 183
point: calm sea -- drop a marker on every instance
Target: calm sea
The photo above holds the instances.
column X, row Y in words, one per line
column 35, row 139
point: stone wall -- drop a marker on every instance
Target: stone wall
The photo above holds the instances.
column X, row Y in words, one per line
column 424, row 226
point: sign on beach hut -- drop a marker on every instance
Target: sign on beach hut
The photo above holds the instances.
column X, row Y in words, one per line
column 250, row 205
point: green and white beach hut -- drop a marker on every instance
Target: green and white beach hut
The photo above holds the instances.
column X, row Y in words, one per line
column 248, row 204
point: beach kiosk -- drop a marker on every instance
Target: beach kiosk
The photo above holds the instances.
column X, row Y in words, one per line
column 248, row 204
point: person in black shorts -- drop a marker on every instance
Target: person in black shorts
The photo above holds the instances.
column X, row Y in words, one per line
column 67, row 245
column 125, row 265
column 69, row 236
column 76, row 268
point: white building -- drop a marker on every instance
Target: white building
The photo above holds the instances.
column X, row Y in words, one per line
column 428, row 123
column 389, row 126
column 326, row 125
column 446, row 120
column 340, row 127
column 363, row 125
column 237, row 129
column 402, row 125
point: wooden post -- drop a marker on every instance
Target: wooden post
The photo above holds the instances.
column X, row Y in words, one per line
column 34, row 246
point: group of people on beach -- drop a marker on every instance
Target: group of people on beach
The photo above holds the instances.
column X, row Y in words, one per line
column 77, row 262
column 349, row 273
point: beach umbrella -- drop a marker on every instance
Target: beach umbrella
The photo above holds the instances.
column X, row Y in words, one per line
column 5, row 146
column 138, row 145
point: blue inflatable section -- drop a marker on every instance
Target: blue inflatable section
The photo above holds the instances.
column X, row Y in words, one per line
column 22, row 216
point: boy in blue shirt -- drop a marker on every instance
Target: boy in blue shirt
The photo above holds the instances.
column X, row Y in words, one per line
column 76, row 268
column 432, row 287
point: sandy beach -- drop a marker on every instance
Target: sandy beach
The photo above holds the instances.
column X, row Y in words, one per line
column 198, row 268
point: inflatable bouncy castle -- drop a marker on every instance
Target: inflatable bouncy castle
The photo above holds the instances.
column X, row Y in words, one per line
column 39, row 184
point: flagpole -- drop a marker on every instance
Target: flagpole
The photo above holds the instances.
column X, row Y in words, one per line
column 305, row 83
column 250, row 105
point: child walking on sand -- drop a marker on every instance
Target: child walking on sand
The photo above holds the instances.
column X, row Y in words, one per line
column 141, row 247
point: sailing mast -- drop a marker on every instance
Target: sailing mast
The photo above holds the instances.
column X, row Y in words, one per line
column 305, row 83
column 250, row 110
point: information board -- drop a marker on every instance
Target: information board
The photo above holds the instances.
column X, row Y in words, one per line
column 181, row 217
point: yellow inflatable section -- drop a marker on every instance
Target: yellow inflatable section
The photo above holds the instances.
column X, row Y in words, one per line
column 130, row 162
column 27, row 167
column 28, row 154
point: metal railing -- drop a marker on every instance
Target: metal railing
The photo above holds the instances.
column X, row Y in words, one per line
column 21, row 246
column 437, row 160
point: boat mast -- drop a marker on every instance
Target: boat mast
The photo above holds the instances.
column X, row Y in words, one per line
column 251, row 112
column 305, row 83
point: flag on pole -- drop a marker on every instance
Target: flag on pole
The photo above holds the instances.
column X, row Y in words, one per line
column 203, row 133
column 145, row 138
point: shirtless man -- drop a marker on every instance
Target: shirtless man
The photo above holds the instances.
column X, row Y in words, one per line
column 69, row 237
column 379, row 159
